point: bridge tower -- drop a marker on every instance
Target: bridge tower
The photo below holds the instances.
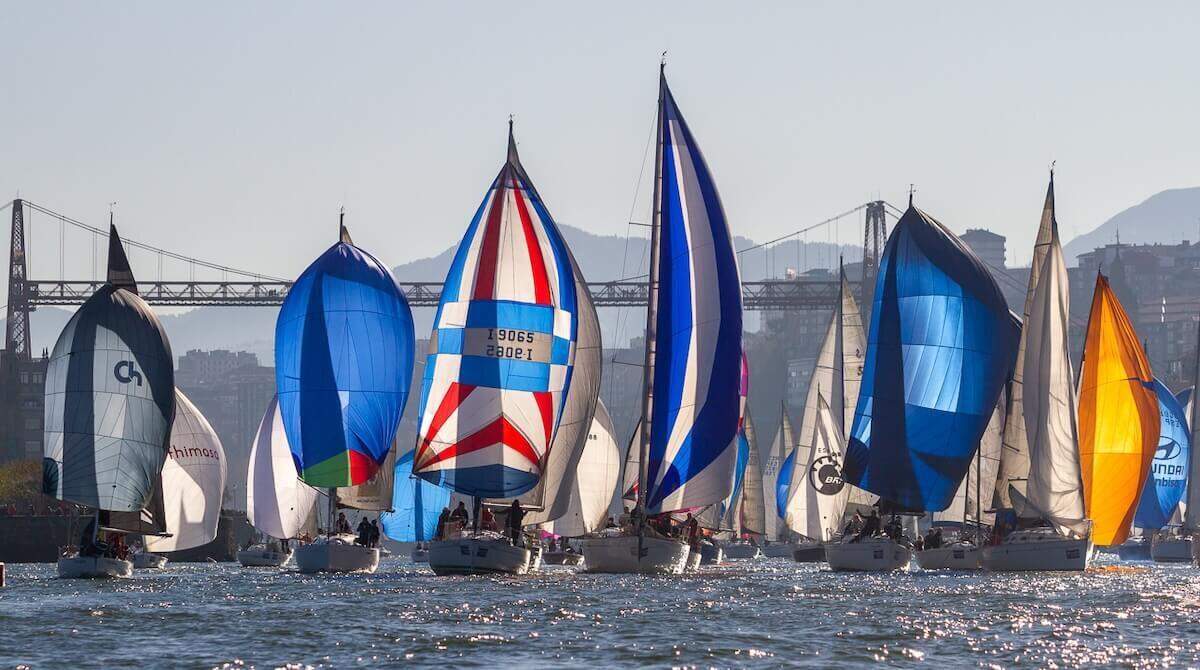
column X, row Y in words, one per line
column 16, row 337
column 874, row 238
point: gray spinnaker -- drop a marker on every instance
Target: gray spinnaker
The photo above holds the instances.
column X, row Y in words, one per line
column 109, row 399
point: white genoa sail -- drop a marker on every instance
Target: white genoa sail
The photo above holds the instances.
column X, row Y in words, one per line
column 551, row 498
column 632, row 470
column 784, row 443
column 750, row 515
column 1191, row 497
column 278, row 503
column 591, row 487
column 819, row 492
column 193, row 481
column 1054, row 490
column 109, row 399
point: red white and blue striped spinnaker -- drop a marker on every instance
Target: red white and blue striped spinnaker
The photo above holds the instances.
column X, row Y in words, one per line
column 697, row 369
column 503, row 347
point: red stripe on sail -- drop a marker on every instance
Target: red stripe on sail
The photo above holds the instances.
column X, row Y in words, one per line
column 485, row 274
column 454, row 398
column 543, row 402
column 537, row 264
column 499, row 431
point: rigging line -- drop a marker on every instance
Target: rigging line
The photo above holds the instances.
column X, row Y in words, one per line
column 97, row 231
column 804, row 230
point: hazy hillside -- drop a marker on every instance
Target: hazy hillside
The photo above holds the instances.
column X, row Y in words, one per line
column 1168, row 217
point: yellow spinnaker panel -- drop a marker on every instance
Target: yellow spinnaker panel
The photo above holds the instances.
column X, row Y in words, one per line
column 1118, row 418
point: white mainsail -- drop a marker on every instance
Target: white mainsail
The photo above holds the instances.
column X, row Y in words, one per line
column 751, row 512
column 592, row 485
column 632, row 470
column 193, row 481
column 1191, row 497
column 277, row 502
column 785, row 442
column 822, row 486
column 1054, row 489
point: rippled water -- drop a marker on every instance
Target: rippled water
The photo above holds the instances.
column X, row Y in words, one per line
column 767, row 613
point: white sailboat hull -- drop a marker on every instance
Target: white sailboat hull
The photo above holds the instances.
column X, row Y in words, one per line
column 953, row 557
column 619, row 554
column 93, row 567
column 337, row 554
column 1038, row 550
column 778, row 550
column 872, row 554
column 478, row 556
column 741, row 551
column 144, row 560
column 1175, row 549
column 260, row 556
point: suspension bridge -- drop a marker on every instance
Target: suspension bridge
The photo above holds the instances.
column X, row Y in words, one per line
column 247, row 288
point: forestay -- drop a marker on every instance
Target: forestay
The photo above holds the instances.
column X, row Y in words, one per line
column 1168, row 471
column 503, row 347
column 193, row 481
column 343, row 361
column 109, row 398
column 278, row 503
column 1118, row 418
column 695, row 364
column 940, row 349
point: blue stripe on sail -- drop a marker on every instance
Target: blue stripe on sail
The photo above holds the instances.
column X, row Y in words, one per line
column 450, row 340
column 715, row 424
column 504, row 373
column 562, row 260
column 739, row 473
column 1168, row 471
column 488, row 481
column 416, row 505
column 940, row 349
column 783, row 483
column 508, row 314
column 560, row 352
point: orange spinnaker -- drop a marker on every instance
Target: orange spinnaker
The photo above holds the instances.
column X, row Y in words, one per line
column 1118, row 418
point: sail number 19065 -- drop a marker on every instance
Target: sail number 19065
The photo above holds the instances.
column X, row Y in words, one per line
column 507, row 343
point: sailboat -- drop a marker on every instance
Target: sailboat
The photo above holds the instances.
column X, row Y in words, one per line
column 816, row 498
column 1118, row 418
column 110, row 400
column 1191, row 499
column 1040, row 479
column 500, row 366
column 776, row 461
column 193, row 483
column 591, row 489
column 690, row 400
column 940, row 349
column 969, row 512
column 1158, row 507
column 343, row 364
column 748, row 517
column 278, row 503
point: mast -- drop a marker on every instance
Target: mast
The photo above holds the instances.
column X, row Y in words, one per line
column 652, row 308
column 839, row 377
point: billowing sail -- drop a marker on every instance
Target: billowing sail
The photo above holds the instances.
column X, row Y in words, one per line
column 343, row 361
column 110, row 398
column 752, row 510
column 783, row 486
column 940, row 349
column 593, row 482
column 1014, row 457
column 375, row 494
column 416, row 504
column 278, row 503
column 552, row 496
column 782, row 447
column 1118, row 418
column 824, row 484
column 503, row 347
column 728, row 509
column 697, row 329
column 974, row 496
column 193, row 481
column 1168, row 471
column 631, row 470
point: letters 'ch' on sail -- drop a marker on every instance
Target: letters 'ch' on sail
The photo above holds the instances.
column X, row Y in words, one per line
column 193, row 481
column 503, row 348
column 1118, row 418
column 697, row 329
column 110, row 401
column 343, row 363
column 940, row 349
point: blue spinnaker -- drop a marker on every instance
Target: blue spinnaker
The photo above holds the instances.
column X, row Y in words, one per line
column 1168, row 471
column 783, row 484
column 416, row 505
column 940, row 349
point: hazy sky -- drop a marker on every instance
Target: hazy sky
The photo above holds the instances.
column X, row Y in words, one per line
column 233, row 131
